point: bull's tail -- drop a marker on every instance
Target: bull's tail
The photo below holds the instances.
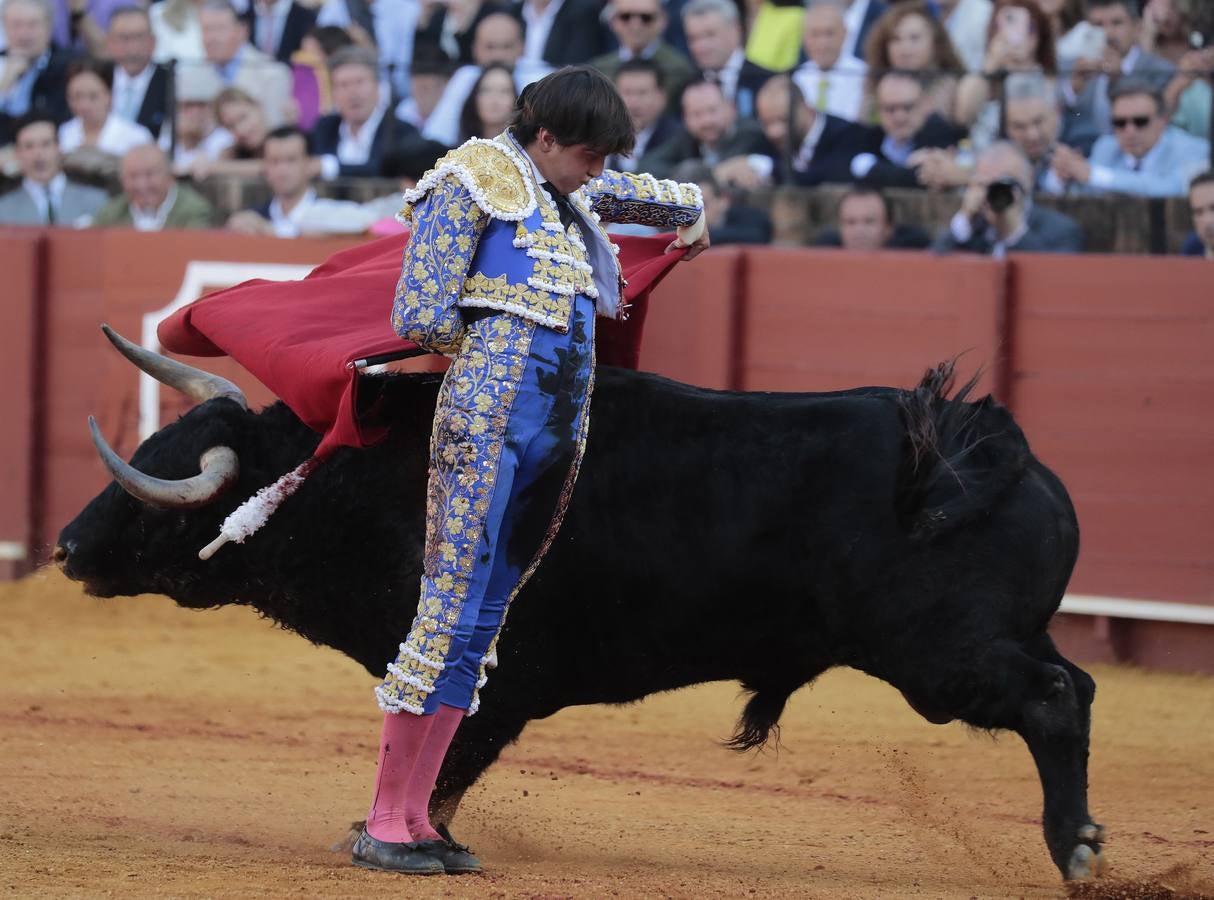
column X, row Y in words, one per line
column 958, row 456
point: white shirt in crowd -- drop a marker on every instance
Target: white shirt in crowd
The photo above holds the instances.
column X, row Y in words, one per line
column 129, row 91
column 967, row 26
column 539, row 26
column 154, row 219
column 354, row 149
column 117, row 135
column 853, row 18
column 838, row 91
column 210, row 147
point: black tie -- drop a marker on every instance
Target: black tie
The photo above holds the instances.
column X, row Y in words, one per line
column 50, row 206
column 563, row 207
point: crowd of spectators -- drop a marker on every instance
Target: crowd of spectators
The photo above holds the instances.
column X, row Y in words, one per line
column 1002, row 103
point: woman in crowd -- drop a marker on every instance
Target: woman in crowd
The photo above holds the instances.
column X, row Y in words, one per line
column 242, row 117
column 94, row 125
column 489, row 104
column 1019, row 39
column 910, row 38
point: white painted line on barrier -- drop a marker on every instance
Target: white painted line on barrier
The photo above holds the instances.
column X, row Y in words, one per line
column 1148, row 610
column 12, row 551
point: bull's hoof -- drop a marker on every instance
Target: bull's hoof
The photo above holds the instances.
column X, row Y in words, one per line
column 1087, row 859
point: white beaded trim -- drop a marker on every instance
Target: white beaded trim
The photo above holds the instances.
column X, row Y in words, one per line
column 489, row 660
column 417, row 657
column 482, row 681
column 395, row 705
column 539, row 284
column 517, row 309
column 564, row 258
column 465, row 176
column 474, row 706
column 414, row 682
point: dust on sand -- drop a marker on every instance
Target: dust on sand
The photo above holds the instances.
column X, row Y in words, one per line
column 149, row 750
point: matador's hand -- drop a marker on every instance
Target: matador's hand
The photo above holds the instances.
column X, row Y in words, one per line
column 694, row 237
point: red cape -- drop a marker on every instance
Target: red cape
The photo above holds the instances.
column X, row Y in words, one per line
column 298, row 337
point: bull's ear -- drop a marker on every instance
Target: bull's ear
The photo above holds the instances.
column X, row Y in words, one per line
column 196, row 384
column 219, row 471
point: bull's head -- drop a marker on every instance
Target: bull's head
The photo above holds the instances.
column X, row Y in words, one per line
column 136, row 536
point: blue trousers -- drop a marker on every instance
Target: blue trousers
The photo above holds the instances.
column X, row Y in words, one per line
column 509, row 429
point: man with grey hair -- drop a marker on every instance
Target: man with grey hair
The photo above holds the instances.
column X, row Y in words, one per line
column 830, row 81
column 225, row 40
column 1032, row 118
column 998, row 216
column 33, row 76
column 714, row 38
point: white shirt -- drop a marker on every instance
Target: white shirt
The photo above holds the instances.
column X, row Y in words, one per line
column 275, row 19
column 853, row 19
column 38, row 193
column 728, row 74
column 117, row 135
column 843, row 88
column 135, row 88
column 184, row 45
column 967, row 25
column 354, row 149
column 539, row 26
column 210, row 147
column 286, row 225
column 154, row 220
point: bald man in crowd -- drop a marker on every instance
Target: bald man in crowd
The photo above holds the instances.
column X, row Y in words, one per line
column 151, row 200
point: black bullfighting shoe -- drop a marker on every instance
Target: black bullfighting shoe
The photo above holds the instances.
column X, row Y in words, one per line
column 409, row 859
column 456, row 858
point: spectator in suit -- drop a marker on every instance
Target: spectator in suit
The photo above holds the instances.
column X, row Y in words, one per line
column 45, row 196
column 429, row 74
column 94, row 126
column 1088, row 111
column 446, row 27
column 818, row 149
column 998, row 216
column 1144, row 155
column 1031, row 115
column 387, row 26
column 33, row 76
column 866, row 223
column 150, row 199
column 712, row 132
column 967, row 23
column 239, row 64
column 353, row 140
column 729, row 220
column 638, row 26
column 639, row 82
column 1201, row 205
column 140, row 86
column 487, row 110
column 831, row 82
column 277, row 27
column 714, row 37
column 909, row 38
column 859, row 19
column 498, row 38
column 287, row 171
column 561, row 32
column 908, row 125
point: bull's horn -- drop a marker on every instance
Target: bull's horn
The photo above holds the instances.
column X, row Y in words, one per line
column 219, row 465
column 196, row 384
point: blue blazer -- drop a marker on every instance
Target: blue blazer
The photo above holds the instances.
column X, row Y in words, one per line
column 1166, row 171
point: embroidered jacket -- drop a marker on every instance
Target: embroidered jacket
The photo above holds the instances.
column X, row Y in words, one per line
column 485, row 234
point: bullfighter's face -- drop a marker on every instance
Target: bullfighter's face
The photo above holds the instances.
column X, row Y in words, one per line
column 565, row 167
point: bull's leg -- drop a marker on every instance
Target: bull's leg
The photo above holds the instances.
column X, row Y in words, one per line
column 1045, row 699
column 477, row 744
column 1056, row 728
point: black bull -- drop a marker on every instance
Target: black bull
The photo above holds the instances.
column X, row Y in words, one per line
column 759, row 538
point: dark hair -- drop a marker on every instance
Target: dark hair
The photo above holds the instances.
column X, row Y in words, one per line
column 282, row 132
column 637, row 65
column 330, row 37
column 917, row 77
column 1131, row 6
column 411, row 159
column 1206, row 177
column 429, row 59
column 470, row 124
column 130, row 10
column 354, row 55
column 700, row 81
column 578, row 105
column 103, row 69
column 866, row 190
column 876, row 47
column 697, row 172
column 1045, row 55
column 1132, row 84
column 35, row 118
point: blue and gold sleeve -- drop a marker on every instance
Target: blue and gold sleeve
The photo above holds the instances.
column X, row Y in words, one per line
column 641, row 199
column 446, row 226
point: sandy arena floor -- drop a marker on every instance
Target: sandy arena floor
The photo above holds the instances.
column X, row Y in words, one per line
column 148, row 750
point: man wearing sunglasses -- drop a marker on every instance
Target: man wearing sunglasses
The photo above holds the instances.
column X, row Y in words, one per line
column 638, row 25
column 1144, row 155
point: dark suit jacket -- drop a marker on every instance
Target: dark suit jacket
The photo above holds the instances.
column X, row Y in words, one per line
column 49, row 94
column 1192, row 245
column 905, row 237
column 751, row 77
column 155, row 107
column 576, row 36
column 743, row 225
column 299, row 20
column 667, row 129
column 875, row 10
column 839, row 142
column 1049, row 231
column 747, row 137
column 936, row 132
column 391, row 133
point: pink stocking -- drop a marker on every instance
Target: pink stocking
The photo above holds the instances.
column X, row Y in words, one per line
column 400, row 743
column 425, row 772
